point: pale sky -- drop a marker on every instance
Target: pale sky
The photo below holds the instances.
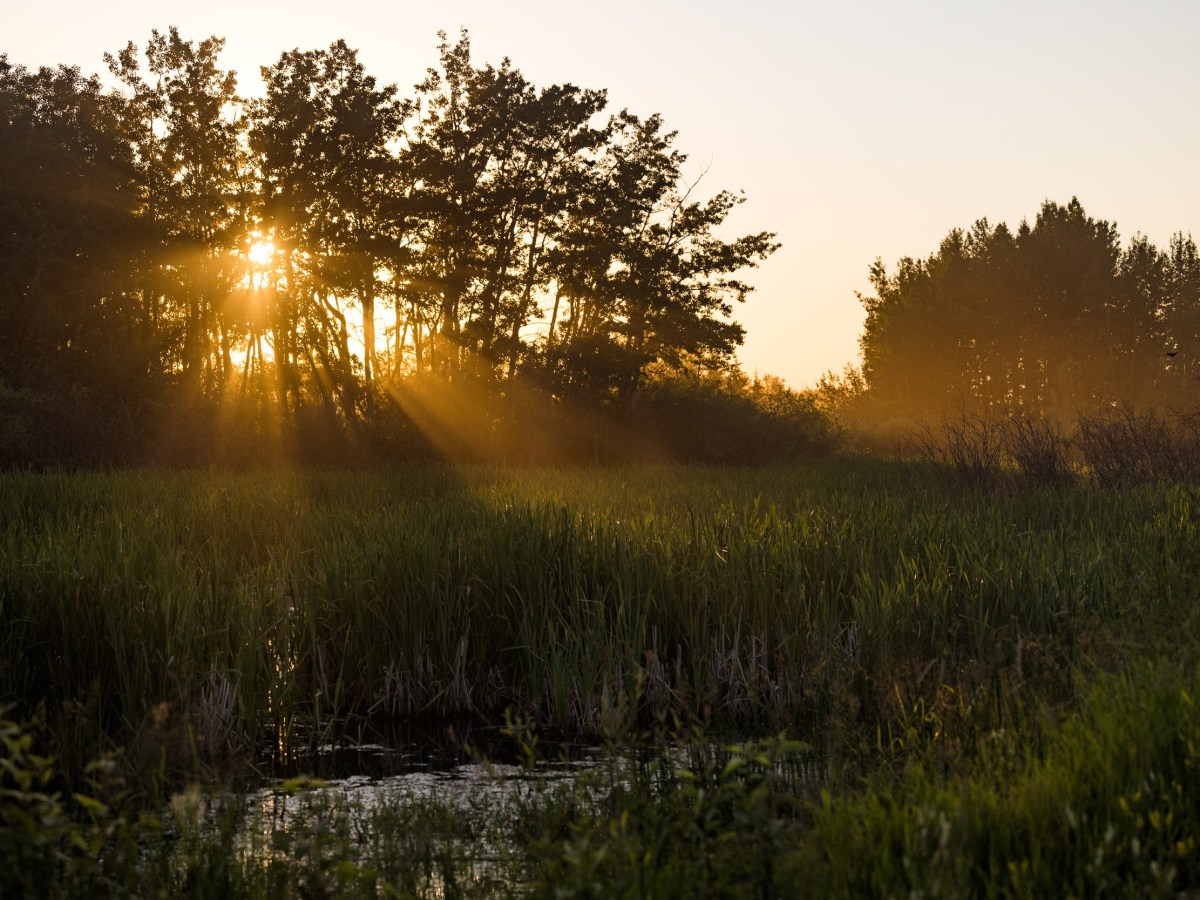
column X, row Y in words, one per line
column 856, row 129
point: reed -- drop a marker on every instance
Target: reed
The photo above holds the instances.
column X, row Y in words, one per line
column 996, row 682
column 221, row 611
column 1106, row 805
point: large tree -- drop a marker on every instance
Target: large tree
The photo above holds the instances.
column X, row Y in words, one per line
column 642, row 273
column 183, row 124
column 67, row 204
column 524, row 198
column 492, row 158
column 325, row 137
column 1056, row 318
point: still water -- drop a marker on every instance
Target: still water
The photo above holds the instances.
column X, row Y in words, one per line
column 468, row 803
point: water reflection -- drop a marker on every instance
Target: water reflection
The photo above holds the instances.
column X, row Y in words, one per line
column 451, row 826
column 439, row 818
column 485, row 787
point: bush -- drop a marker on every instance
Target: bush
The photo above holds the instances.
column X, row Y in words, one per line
column 1125, row 446
column 1038, row 448
column 724, row 417
column 973, row 447
column 1118, row 446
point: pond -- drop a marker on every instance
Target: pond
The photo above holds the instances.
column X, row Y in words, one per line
column 441, row 814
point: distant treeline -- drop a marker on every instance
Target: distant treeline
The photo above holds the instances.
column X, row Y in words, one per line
column 1055, row 320
column 334, row 270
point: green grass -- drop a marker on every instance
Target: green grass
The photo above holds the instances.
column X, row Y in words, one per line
column 758, row 597
column 926, row 638
column 1109, row 807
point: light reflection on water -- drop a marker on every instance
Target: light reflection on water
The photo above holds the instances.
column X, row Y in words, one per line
column 485, row 796
column 464, row 788
column 469, row 787
column 466, row 812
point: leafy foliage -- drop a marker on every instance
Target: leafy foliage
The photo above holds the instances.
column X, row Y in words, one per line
column 1052, row 320
column 310, row 254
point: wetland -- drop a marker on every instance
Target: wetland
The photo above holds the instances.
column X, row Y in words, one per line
column 839, row 678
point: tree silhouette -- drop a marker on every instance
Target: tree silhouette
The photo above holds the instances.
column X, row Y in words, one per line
column 181, row 120
column 642, row 273
column 1054, row 319
column 323, row 134
column 71, row 317
column 495, row 162
column 172, row 246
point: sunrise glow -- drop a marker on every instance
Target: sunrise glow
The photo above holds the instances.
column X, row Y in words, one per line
column 261, row 252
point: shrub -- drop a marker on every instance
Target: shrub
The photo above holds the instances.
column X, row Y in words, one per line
column 973, row 447
column 1038, row 448
column 1124, row 446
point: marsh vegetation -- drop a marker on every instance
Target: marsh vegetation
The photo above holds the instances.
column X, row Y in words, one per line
column 953, row 656
column 962, row 667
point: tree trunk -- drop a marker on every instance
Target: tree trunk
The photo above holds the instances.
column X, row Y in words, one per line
column 368, row 309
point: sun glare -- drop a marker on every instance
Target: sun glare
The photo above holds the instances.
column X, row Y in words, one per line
column 261, row 252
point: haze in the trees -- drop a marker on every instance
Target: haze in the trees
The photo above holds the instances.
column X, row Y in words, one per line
column 1056, row 318
column 322, row 248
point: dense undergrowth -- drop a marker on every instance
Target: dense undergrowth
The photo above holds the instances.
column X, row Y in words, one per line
column 1119, row 445
column 997, row 682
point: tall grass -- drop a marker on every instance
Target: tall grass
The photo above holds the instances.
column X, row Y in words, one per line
column 1118, row 446
column 202, row 613
column 960, row 658
column 1108, row 805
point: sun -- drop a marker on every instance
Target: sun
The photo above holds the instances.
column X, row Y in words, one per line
column 261, row 252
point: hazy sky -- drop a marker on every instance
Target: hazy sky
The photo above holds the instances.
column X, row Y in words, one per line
column 857, row 129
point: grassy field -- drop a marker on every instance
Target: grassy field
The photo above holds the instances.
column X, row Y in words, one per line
column 993, row 678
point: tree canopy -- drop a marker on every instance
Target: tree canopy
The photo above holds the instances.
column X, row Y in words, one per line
column 1056, row 318
column 320, row 249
